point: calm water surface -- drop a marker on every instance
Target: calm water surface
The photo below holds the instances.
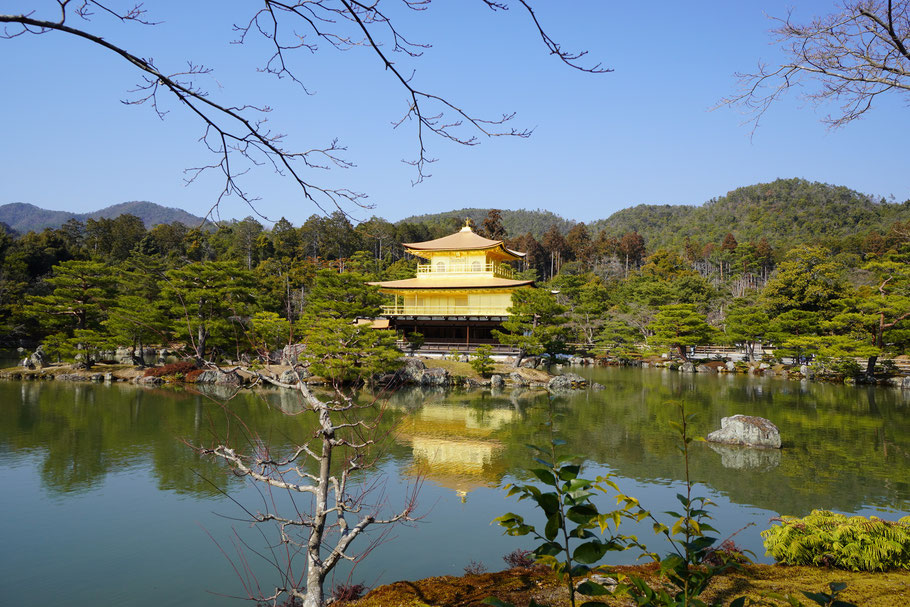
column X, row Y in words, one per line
column 104, row 502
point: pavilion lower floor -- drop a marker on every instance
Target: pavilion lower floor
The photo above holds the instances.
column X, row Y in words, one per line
column 463, row 331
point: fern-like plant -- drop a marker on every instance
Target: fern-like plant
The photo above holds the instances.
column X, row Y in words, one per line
column 830, row 539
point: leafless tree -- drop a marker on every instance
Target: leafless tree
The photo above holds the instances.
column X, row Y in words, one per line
column 849, row 58
column 237, row 135
column 339, row 506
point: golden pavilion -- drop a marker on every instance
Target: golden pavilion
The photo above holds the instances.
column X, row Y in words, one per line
column 461, row 293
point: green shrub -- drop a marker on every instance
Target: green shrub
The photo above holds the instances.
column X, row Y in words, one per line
column 826, row 538
column 181, row 368
column 482, row 361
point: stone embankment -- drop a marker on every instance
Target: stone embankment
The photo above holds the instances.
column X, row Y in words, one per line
column 413, row 372
column 763, row 369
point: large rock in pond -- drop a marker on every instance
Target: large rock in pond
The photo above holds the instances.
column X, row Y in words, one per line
column 219, row 378
column 434, row 377
column 518, row 379
column 290, row 376
column 746, row 430
column 566, row 382
column 38, row 359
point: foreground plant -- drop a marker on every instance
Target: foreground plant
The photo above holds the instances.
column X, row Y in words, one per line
column 836, row 540
column 324, row 526
column 568, row 544
column 773, row 599
column 570, row 547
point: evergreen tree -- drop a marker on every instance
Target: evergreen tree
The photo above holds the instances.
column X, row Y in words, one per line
column 136, row 322
column 536, row 326
column 492, row 227
column 482, row 361
column 82, row 293
column 879, row 314
column 680, row 326
column 208, row 303
column 746, row 323
column 795, row 333
column 620, row 339
column 343, row 295
column 808, row 279
column 345, row 352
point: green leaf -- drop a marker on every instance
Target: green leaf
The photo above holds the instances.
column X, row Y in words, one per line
column 589, row 588
column 552, row 527
column 818, row 597
column 548, row 502
column 545, row 476
column 581, row 514
column 491, row 600
column 548, row 549
column 568, row 473
column 590, row 552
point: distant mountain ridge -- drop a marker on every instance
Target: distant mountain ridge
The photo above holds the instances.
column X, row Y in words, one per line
column 24, row 217
column 517, row 222
column 784, row 211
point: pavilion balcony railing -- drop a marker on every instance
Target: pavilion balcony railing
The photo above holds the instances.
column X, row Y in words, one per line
column 447, row 310
column 496, row 269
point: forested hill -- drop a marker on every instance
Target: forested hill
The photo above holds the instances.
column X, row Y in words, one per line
column 516, row 223
column 785, row 212
column 24, row 217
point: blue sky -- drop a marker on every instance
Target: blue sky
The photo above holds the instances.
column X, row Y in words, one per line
column 644, row 133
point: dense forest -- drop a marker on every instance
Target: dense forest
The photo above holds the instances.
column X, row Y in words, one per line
column 817, row 270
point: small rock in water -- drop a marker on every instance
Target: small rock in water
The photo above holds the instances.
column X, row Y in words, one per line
column 567, row 381
column 746, row 430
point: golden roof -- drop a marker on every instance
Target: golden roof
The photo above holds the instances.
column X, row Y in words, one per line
column 453, row 282
column 463, row 240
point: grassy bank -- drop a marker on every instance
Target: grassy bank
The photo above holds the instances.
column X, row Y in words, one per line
column 520, row 585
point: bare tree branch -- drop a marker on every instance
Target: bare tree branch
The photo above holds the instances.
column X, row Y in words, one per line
column 320, row 532
column 849, row 58
column 239, row 136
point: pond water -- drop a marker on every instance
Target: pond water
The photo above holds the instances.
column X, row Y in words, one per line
column 103, row 501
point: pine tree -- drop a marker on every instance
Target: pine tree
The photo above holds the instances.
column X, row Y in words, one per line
column 680, row 326
column 536, row 326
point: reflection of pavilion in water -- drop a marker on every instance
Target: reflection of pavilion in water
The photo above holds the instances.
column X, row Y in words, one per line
column 453, row 446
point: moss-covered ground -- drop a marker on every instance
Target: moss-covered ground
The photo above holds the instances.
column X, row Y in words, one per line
column 463, row 369
column 518, row 586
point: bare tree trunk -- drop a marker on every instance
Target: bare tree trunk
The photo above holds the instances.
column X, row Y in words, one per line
column 327, row 541
column 870, row 367
column 682, row 352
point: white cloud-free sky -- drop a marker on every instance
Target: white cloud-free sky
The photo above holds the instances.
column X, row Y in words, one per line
column 644, row 133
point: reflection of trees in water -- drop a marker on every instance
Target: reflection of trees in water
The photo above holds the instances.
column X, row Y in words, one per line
column 844, row 447
column 83, row 432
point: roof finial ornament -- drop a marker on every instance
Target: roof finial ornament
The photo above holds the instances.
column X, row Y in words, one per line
column 467, row 225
